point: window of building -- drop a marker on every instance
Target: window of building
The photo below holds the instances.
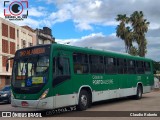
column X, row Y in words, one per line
column 4, row 30
column 5, row 46
column 17, row 46
column 23, row 43
column 30, row 44
column 80, row 62
column 4, row 61
column 11, row 63
column 12, row 48
column 96, row 64
column 12, row 33
column 17, row 33
column 7, row 80
column 110, row 65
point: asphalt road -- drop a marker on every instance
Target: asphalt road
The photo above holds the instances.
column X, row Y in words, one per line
column 149, row 103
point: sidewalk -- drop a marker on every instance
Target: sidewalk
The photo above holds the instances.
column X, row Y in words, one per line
column 156, row 90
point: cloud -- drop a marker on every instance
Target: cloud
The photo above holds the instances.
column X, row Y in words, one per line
column 30, row 22
column 85, row 13
column 112, row 43
column 2, row 9
column 96, row 41
column 60, row 16
column 153, row 33
column 153, row 48
column 83, row 26
column 36, row 12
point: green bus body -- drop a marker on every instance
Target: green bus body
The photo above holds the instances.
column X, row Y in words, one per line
column 72, row 72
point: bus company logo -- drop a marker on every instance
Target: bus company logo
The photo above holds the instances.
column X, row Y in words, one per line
column 16, row 10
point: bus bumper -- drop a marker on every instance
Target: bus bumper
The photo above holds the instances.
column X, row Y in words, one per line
column 46, row 103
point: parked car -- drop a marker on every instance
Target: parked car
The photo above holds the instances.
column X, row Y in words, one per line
column 5, row 94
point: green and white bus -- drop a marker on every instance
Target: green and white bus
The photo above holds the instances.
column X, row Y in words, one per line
column 55, row 75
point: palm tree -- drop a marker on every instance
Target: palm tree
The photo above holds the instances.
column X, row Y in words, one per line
column 124, row 32
column 135, row 33
column 140, row 27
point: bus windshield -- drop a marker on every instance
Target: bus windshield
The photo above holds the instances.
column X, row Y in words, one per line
column 30, row 71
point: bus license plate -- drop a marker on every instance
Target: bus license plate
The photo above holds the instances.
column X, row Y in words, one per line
column 24, row 103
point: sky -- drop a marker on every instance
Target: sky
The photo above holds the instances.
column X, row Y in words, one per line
column 91, row 23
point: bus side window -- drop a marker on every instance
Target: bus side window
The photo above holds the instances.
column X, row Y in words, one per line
column 96, row 64
column 62, row 66
column 131, row 67
column 140, row 67
column 125, row 67
column 110, row 65
column 147, row 68
column 62, row 70
column 120, row 65
column 80, row 63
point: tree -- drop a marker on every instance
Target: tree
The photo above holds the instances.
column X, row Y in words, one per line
column 134, row 32
column 156, row 66
column 124, row 32
column 140, row 27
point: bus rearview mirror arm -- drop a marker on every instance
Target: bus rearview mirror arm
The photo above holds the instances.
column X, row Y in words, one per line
column 7, row 63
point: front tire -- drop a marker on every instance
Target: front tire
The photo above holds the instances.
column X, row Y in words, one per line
column 83, row 102
column 139, row 93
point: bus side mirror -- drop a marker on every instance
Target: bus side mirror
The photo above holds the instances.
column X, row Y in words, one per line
column 7, row 66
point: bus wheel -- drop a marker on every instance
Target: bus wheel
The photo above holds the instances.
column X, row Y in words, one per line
column 83, row 103
column 139, row 93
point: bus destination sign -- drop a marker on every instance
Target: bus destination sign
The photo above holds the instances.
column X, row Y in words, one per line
column 32, row 51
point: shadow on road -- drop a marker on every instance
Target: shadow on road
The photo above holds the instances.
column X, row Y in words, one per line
column 3, row 103
column 71, row 111
column 53, row 113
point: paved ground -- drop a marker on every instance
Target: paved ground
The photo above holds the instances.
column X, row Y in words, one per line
column 149, row 103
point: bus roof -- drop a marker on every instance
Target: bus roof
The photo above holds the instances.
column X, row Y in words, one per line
column 98, row 52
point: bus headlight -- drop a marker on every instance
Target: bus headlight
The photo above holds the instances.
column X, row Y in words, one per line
column 44, row 94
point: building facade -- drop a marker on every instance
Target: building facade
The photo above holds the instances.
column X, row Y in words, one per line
column 12, row 37
column 44, row 36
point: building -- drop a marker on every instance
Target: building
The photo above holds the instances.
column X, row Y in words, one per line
column 12, row 37
column 44, row 36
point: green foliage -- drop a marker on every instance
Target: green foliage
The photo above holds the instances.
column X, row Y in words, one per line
column 132, row 29
column 156, row 66
column 133, row 51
